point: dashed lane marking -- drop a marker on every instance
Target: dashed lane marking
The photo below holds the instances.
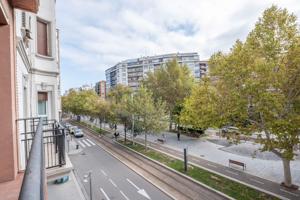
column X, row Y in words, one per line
column 103, row 192
column 113, row 183
column 103, row 172
column 124, row 195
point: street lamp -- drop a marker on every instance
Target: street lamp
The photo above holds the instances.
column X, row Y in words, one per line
column 132, row 126
column 88, row 178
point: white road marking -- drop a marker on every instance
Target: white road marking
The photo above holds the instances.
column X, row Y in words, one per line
column 113, row 183
column 91, row 142
column 104, row 194
column 256, row 181
column 81, row 144
column 231, row 172
column 103, row 172
column 132, row 184
column 211, row 165
column 85, row 142
column 140, row 191
column 296, row 195
column 124, row 195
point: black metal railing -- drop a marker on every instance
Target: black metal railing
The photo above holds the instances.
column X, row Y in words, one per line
column 34, row 177
column 53, row 140
column 42, row 147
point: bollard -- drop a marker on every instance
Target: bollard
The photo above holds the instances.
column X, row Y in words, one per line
column 77, row 146
column 185, row 159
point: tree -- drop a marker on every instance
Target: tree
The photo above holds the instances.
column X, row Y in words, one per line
column 200, row 108
column 101, row 110
column 119, row 97
column 258, row 85
column 170, row 83
column 80, row 103
column 149, row 113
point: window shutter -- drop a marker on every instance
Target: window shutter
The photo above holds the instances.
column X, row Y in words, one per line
column 42, row 38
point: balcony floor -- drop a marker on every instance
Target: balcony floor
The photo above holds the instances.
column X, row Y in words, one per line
column 10, row 190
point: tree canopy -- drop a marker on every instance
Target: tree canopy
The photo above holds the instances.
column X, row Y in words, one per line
column 170, row 83
column 257, row 86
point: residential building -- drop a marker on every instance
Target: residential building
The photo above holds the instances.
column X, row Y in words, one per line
column 131, row 72
column 100, row 89
column 30, row 89
column 85, row 87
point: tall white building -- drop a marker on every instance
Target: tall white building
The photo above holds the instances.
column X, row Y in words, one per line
column 38, row 72
column 131, row 72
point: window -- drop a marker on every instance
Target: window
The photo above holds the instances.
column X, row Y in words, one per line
column 42, row 38
column 42, row 103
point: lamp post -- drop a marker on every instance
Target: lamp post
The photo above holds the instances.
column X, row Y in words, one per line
column 88, row 178
column 132, row 127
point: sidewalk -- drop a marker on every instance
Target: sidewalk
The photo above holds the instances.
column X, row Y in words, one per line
column 70, row 190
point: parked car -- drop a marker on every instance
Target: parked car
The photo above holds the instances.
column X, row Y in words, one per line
column 67, row 125
column 78, row 132
column 230, row 129
column 72, row 129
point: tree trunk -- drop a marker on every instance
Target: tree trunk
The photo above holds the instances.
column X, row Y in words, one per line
column 287, row 172
column 100, row 123
column 146, row 141
column 170, row 123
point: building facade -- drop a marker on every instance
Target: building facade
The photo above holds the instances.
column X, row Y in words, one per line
column 100, row 89
column 131, row 72
column 29, row 77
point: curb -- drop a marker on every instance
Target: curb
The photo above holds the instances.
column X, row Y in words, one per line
column 178, row 173
column 225, row 176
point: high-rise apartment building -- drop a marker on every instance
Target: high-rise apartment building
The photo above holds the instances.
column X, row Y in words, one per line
column 131, row 72
column 100, row 89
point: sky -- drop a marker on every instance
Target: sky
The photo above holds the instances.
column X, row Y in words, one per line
column 97, row 34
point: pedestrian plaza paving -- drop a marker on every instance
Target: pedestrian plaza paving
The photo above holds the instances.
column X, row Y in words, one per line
column 262, row 164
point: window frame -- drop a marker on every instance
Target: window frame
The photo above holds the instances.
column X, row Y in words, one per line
column 46, row 102
column 49, row 38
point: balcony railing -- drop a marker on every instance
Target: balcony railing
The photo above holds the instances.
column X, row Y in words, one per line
column 42, row 146
column 34, row 177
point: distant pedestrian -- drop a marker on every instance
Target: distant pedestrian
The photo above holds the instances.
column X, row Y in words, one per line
column 116, row 135
column 178, row 136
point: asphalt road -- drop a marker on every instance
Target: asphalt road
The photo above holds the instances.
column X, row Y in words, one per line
column 111, row 179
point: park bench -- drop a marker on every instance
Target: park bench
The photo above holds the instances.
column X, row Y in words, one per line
column 161, row 140
column 237, row 163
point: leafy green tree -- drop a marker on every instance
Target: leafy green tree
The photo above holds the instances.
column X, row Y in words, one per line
column 101, row 110
column 119, row 97
column 258, row 85
column 170, row 83
column 80, row 103
column 150, row 114
column 200, row 108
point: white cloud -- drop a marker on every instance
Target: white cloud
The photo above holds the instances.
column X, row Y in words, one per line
column 96, row 34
